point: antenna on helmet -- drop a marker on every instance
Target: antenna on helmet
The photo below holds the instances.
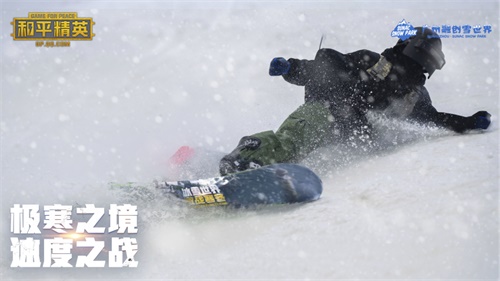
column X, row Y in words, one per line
column 321, row 41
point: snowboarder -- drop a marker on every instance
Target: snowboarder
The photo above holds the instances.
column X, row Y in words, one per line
column 340, row 89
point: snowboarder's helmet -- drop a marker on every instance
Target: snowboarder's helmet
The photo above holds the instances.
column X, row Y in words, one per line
column 425, row 49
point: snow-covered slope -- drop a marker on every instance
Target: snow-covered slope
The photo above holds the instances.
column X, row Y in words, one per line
column 161, row 75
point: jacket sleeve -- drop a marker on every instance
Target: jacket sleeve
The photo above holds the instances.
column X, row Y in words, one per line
column 300, row 71
column 327, row 67
column 425, row 113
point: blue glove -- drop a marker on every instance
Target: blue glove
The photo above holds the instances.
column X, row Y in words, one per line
column 279, row 66
column 482, row 120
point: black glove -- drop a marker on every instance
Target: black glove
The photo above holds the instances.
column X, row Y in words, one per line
column 481, row 119
column 279, row 66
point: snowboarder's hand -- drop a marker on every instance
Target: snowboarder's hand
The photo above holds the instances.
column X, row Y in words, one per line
column 482, row 120
column 279, row 66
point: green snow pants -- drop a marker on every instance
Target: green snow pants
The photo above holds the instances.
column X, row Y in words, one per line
column 306, row 129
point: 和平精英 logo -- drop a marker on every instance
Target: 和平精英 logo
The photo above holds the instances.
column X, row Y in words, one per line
column 52, row 29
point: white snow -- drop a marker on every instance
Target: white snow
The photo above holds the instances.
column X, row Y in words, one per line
column 159, row 75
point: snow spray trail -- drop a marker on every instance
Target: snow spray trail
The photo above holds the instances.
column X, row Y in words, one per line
column 390, row 135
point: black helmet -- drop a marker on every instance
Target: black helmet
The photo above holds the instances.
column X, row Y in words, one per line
column 425, row 49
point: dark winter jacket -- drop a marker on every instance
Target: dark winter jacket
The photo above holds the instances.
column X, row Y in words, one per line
column 344, row 83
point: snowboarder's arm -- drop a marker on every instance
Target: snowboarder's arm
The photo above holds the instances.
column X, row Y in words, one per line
column 300, row 71
column 293, row 70
column 424, row 112
column 328, row 66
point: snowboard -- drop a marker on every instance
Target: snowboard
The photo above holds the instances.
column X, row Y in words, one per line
column 273, row 184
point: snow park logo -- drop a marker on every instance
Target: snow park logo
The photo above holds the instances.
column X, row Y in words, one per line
column 59, row 242
column 405, row 30
column 55, row 29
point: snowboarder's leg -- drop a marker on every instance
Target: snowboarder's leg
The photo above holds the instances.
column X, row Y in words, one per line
column 304, row 130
